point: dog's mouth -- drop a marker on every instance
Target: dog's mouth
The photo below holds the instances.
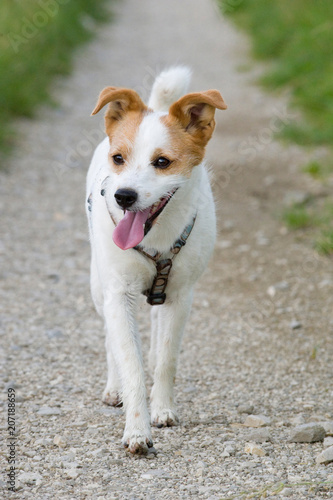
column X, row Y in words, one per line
column 134, row 226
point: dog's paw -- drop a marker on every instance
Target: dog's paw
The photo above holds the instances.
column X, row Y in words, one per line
column 164, row 418
column 137, row 442
column 112, row 398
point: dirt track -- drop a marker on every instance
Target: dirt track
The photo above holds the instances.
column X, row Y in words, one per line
column 260, row 336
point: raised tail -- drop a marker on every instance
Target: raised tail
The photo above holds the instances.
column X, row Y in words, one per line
column 168, row 87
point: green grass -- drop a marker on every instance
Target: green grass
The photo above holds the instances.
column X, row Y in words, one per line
column 315, row 214
column 37, row 38
column 296, row 37
column 298, row 217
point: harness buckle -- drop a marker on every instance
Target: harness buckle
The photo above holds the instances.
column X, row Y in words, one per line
column 156, row 296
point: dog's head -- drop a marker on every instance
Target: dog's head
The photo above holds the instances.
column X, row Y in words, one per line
column 152, row 154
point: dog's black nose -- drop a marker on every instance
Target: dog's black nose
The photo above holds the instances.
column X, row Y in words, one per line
column 126, row 197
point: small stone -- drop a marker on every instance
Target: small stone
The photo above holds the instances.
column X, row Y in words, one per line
column 328, row 441
column 68, row 457
column 328, row 426
column 190, row 388
column 281, row 286
column 295, row 325
column 60, row 441
column 326, row 456
column 80, row 423
column 153, row 473
column 307, row 433
column 152, row 452
column 43, row 442
column 245, row 408
column 47, row 411
column 298, row 420
column 256, row 421
column 71, row 473
column 259, row 435
column 31, row 478
column 254, row 449
column 229, row 449
column 286, row 492
column 55, row 333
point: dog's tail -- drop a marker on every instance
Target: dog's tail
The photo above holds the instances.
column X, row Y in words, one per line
column 169, row 86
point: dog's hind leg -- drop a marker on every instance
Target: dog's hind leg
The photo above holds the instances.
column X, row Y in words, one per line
column 172, row 320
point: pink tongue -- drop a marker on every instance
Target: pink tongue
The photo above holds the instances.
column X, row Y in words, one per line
column 129, row 232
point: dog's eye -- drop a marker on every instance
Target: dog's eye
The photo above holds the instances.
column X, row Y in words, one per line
column 161, row 162
column 118, row 160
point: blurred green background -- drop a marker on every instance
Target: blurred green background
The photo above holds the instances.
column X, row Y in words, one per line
column 37, row 38
column 295, row 38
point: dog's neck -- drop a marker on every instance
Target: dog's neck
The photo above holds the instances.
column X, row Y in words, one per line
column 177, row 215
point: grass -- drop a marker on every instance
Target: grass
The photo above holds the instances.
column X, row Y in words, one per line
column 296, row 38
column 37, row 38
column 313, row 214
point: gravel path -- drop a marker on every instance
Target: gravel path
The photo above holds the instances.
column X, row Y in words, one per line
column 260, row 337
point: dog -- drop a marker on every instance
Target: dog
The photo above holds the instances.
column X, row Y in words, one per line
column 152, row 229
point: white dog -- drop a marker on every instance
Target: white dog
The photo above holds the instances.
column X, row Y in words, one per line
column 152, row 229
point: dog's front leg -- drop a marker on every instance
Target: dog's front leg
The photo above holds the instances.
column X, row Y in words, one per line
column 172, row 317
column 119, row 313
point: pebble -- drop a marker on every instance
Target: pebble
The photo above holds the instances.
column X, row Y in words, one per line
column 229, row 450
column 328, row 426
column 260, row 435
column 47, row 411
column 326, row 456
column 153, row 473
column 295, row 325
column 282, row 285
column 256, row 421
column 328, row 441
column 30, row 478
column 55, row 333
column 254, row 449
column 71, row 473
column 245, row 408
column 60, row 441
column 307, row 433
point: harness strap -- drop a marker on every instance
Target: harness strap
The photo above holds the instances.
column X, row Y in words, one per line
column 156, row 294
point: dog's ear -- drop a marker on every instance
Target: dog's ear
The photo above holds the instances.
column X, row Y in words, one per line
column 195, row 112
column 120, row 101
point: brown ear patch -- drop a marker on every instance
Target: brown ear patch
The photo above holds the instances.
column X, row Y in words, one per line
column 121, row 102
column 195, row 112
